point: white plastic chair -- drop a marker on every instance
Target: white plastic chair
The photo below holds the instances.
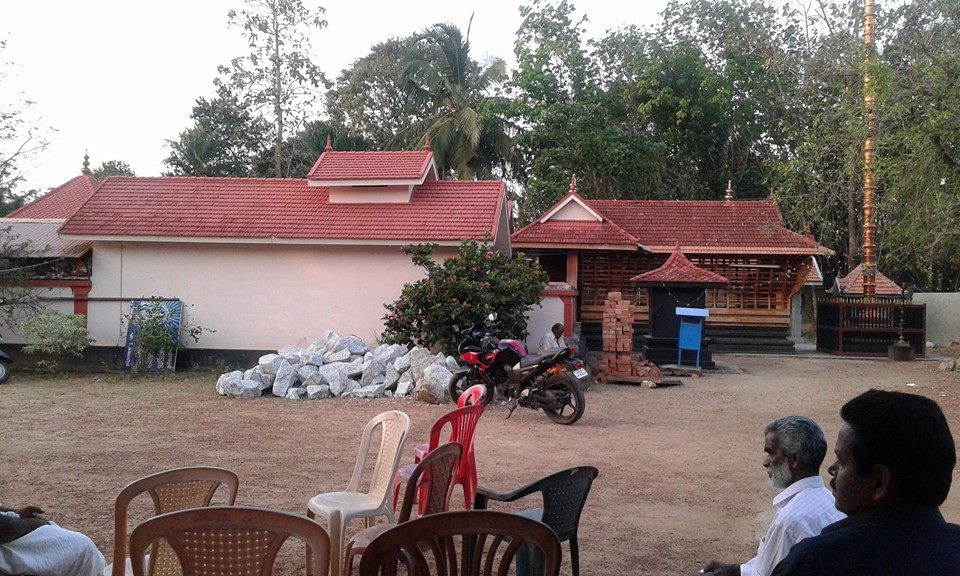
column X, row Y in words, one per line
column 339, row 508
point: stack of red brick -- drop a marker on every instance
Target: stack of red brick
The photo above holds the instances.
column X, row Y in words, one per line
column 617, row 359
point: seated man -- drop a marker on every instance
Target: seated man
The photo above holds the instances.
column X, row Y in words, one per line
column 31, row 545
column 795, row 448
column 895, row 460
column 553, row 339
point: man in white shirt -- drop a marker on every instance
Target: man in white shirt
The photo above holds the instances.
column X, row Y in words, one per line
column 795, row 448
column 553, row 339
column 31, row 545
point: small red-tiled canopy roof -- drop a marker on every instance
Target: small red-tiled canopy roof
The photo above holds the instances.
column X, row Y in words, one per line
column 678, row 270
column 852, row 284
column 333, row 165
column 61, row 202
column 700, row 226
column 261, row 208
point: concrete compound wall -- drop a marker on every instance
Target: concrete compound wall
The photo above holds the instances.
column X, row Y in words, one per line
column 943, row 316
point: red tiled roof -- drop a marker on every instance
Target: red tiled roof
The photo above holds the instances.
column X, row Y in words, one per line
column 574, row 233
column 61, row 202
column 852, row 283
column 388, row 165
column 286, row 209
column 678, row 270
column 700, row 226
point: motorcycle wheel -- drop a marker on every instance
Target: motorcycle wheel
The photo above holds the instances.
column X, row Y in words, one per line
column 572, row 401
column 4, row 372
column 463, row 380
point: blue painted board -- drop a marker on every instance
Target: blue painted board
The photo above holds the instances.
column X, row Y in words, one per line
column 164, row 362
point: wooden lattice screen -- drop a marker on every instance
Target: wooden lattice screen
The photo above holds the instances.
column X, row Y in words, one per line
column 756, row 282
column 603, row 272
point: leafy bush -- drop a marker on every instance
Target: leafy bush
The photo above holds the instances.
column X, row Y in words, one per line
column 54, row 335
column 461, row 292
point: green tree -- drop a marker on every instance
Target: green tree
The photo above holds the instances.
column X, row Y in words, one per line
column 17, row 297
column 463, row 117
column 278, row 78
column 371, row 101
column 573, row 124
column 225, row 140
column 819, row 182
column 20, row 140
column 460, row 292
column 112, row 168
column 918, row 155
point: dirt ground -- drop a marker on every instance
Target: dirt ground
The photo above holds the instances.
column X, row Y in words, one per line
column 680, row 482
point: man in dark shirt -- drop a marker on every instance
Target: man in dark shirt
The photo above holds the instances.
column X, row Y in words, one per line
column 895, row 460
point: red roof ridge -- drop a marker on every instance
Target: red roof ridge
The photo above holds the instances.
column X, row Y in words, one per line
column 679, row 270
column 222, row 178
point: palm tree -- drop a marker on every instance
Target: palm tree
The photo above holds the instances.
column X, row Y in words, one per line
column 466, row 124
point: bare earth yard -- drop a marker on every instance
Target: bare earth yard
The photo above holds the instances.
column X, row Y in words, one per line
column 680, row 480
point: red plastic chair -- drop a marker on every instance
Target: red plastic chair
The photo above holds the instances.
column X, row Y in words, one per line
column 463, row 424
column 470, row 396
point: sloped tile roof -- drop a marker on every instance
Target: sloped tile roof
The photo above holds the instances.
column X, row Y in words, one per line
column 263, row 208
column 61, row 202
column 678, row 270
column 373, row 166
column 700, row 226
column 852, row 284
column 43, row 238
column 574, row 233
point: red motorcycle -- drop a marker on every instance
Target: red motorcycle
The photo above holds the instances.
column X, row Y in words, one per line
column 547, row 382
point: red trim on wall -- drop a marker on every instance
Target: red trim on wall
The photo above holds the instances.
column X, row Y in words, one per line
column 80, row 289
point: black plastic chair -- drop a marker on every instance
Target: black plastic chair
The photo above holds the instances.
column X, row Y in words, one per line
column 564, row 495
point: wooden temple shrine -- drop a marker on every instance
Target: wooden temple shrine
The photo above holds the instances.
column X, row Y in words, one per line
column 597, row 246
column 677, row 285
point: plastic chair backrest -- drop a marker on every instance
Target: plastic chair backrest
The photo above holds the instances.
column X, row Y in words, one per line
column 170, row 490
column 564, row 496
column 437, row 467
column 463, row 424
column 394, row 425
column 475, row 542
column 228, row 540
column 472, row 395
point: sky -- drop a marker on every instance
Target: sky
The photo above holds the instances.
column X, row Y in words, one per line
column 118, row 78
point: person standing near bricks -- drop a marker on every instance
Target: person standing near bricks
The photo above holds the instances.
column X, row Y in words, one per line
column 795, row 448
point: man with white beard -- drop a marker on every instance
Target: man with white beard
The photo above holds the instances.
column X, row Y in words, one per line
column 795, row 448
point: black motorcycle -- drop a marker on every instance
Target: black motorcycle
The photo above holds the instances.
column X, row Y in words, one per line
column 546, row 381
column 5, row 362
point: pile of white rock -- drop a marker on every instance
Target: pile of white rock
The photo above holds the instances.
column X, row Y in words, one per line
column 344, row 367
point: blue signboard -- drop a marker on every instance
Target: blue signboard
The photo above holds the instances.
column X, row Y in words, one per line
column 172, row 313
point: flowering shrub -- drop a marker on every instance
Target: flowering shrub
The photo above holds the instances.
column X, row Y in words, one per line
column 460, row 292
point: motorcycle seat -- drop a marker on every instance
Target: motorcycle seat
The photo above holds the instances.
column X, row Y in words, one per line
column 531, row 359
